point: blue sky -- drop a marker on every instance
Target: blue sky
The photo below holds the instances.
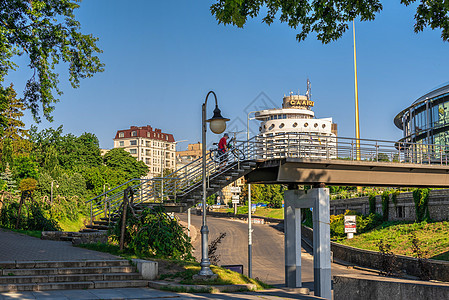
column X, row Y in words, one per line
column 162, row 57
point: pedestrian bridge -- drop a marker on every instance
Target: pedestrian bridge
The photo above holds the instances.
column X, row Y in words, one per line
column 293, row 159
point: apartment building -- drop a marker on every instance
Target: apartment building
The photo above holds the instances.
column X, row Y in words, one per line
column 154, row 147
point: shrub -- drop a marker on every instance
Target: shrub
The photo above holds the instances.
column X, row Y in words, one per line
column 154, row 233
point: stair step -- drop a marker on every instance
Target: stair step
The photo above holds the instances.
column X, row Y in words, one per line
column 62, row 264
column 68, row 271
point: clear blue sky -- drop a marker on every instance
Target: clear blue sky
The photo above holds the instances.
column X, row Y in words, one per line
column 162, row 57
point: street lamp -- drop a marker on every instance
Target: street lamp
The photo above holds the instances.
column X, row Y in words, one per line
column 51, row 190
column 217, row 126
column 250, row 230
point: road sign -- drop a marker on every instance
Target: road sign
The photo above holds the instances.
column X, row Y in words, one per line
column 235, row 197
column 350, row 224
column 235, row 201
column 235, row 189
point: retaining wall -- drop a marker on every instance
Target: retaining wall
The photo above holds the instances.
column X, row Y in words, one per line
column 348, row 287
column 404, row 210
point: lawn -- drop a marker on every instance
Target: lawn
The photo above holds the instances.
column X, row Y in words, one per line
column 433, row 238
column 275, row 213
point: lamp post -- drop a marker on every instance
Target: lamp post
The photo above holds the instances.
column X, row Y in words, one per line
column 217, row 126
column 250, row 230
column 51, row 190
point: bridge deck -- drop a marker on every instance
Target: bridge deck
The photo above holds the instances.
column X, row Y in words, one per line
column 347, row 172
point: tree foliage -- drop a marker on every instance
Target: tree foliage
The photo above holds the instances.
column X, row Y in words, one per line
column 119, row 159
column 47, row 32
column 11, row 111
column 328, row 19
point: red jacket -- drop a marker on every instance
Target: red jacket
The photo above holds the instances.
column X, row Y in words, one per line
column 222, row 145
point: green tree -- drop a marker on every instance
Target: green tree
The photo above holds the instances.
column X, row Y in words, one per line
column 47, row 33
column 7, row 177
column 328, row 19
column 119, row 159
column 13, row 127
column 25, row 167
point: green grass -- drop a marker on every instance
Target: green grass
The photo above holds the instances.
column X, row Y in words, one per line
column 275, row 213
column 433, row 237
column 73, row 226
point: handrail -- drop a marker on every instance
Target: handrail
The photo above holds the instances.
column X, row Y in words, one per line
column 188, row 179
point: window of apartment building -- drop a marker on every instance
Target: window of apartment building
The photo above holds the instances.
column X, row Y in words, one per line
column 133, row 151
column 121, row 134
column 133, row 133
column 142, row 151
column 133, row 142
column 148, row 134
column 147, row 161
column 148, row 144
column 166, row 137
column 121, row 143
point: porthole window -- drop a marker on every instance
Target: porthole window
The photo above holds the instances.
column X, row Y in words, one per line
column 282, row 125
column 271, row 127
column 315, row 125
column 295, row 124
column 260, row 128
column 324, row 126
column 306, row 124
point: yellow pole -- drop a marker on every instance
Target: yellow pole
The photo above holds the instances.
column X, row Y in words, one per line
column 357, row 125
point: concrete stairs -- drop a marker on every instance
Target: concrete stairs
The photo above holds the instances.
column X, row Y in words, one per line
column 61, row 275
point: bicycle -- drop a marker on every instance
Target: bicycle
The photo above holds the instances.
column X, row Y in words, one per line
column 233, row 153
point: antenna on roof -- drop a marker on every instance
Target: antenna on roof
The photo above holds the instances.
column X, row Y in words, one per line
column 309, row 90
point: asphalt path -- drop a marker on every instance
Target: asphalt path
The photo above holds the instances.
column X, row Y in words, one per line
column 267, row 249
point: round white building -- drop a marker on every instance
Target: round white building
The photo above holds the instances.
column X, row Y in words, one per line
column 294, row 128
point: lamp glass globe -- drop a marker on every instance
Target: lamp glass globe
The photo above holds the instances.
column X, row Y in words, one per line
column 217, row 126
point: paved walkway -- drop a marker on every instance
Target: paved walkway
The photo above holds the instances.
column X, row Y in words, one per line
column 15, row 246
column 147, row 293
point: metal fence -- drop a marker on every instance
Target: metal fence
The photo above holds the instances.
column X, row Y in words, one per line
column 264, row 147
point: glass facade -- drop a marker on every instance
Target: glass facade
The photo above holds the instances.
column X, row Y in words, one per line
column 426, row 122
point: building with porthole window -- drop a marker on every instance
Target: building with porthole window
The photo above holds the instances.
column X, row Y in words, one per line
column 295, row 123
column 426, row 121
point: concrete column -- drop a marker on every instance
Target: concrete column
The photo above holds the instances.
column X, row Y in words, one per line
column 321, row 243
column 292, row 238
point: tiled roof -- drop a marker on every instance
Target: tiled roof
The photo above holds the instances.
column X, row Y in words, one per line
column 145, row 132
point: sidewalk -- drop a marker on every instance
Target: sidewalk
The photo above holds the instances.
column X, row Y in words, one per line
column 147, row 293
column 20, row 247
column 16, row 246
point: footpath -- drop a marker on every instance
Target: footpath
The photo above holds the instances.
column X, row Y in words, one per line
column 15, row 247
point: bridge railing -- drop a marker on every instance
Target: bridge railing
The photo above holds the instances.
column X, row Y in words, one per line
column 316, row 146
column 188, row 178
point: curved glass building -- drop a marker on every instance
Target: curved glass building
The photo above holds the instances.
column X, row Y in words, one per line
column 426, row 121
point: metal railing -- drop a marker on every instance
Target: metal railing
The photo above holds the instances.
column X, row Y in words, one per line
column 188, row 179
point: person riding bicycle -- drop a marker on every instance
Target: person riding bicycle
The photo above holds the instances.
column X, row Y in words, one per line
column 223, row 149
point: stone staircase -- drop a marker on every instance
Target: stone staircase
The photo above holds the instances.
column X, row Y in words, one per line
column 60, row 275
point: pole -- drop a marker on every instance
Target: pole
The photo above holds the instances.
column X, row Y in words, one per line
column 250, row 241
column 51, row 193
column 250, row 231
column 188, row 222
column 205, row 263
column 357, row 125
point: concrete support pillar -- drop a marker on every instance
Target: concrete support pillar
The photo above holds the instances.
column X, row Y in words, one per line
column 318, row 199
column 321, row 244
column 292, row 239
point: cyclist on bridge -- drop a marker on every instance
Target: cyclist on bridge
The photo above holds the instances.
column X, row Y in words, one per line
column 223, row 149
